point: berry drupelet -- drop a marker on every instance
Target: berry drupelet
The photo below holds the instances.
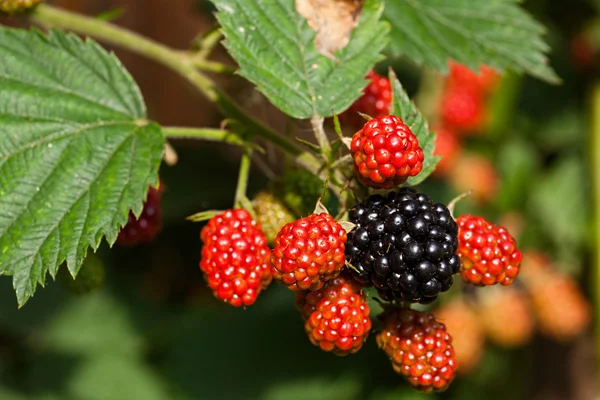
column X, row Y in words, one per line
column 404, row 245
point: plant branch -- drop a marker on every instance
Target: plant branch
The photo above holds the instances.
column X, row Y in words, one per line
column 177, row 61
column 317, row 127
column 242, row 184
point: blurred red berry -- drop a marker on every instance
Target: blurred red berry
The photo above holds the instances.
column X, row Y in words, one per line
column 475, row 173
column 561, row 309
column 485, row 79
column 583, row 51
column 375, row 102
column 506, row 317
column 462, row 107
column 447, row 146
column 467, row 334
column 145, row 228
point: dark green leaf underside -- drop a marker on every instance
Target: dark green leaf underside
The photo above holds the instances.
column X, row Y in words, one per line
column 274, row 47
column 76, row 153
column 498, row 33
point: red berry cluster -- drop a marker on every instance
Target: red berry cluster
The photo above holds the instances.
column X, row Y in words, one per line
column 309, row 252
column 386, row 153
column 488, row 253
column 419, row 347
column 235, row 257
column 145, row 228
column 336, row 316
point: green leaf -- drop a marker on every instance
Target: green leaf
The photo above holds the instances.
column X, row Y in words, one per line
column 76, row 152
column 404, row 108
column 497, row 33
column 559, row 202
column 274, row 47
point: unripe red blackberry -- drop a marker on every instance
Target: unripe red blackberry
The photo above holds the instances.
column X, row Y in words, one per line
column 309, row 252
column 235, row 257
column 506, row 316
column 16, row 6
column 488, row 253
column 375, row 102
column 468, row 338
column 419, row 347
column 271, row 214
column 336, row 316
column 145, row 228
column 386, row 153
column 404, row 245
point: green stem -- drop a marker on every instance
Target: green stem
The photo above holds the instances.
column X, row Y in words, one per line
column 595, row 174
column 209, row 134
column 242, row 184
column 177, row 61
column 207, row 43
column 320, row 135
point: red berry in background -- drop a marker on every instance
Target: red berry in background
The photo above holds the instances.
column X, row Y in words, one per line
column 468, row 338
column 447, row 146
column 560, row 307
column 235, row 257
column 506, row 317
column 485, row 79
column 462, row 107
column 375, row 102
column 488, row 253
column 475, row 173
column 386, row 153
column 419, row 347
column 336, row 316
column 583, row 51
column 145, row 228
column 309, row 252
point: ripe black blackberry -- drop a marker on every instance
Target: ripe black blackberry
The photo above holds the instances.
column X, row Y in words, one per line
column 404, row 245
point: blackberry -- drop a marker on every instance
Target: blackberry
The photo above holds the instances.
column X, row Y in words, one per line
column 404, row 245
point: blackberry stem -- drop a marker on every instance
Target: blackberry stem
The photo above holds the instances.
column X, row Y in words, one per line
column 176, row 60
column 242, row 185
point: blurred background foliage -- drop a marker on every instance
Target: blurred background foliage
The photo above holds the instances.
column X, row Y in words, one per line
column 154, row 331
